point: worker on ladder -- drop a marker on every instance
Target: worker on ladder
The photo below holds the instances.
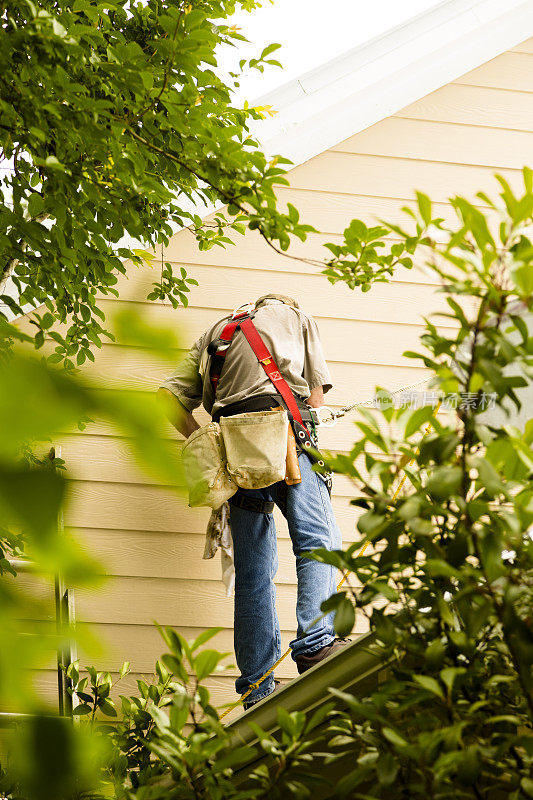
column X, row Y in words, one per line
column 264, row 356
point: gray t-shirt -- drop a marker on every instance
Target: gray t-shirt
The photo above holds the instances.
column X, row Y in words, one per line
column 291, row 337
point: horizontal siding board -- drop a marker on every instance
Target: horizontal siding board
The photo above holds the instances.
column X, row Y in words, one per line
column 118, row 367
column 153, row 508
column 131, row 369
column 343, row 172
column 143, row 645
column 524, row 47
column 356, row 387
column 337, row 439
column 443, row 141
column 221, row 291
column 168, row 555
column 106, row 646
column 104, row 459
column 221, row 688
column 512, row 71
column 332, row 212
column 95, row 457
column 471, row 105
column 344, row 340
column 143, row 601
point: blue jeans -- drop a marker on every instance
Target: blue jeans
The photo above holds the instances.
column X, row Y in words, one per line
column 307, row 508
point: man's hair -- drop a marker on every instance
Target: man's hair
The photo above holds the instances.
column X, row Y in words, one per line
column 283, row 298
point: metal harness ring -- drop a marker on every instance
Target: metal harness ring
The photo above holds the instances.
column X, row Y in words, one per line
column 322, row 417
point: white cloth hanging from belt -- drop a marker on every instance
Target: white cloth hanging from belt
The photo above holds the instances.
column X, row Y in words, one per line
column 218, row 536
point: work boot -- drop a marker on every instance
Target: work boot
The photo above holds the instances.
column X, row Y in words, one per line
column 303, row 662
column 249, row 703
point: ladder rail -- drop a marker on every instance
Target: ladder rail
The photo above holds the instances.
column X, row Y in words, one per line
column 65, row 616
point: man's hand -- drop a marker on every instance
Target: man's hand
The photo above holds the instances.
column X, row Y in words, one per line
column 316, row 398
column 178, row 415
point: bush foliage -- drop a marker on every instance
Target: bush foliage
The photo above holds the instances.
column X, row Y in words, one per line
column 111, row 119
column 447, row 589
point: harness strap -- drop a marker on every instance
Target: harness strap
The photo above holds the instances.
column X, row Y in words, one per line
column 218, row 350
column 269, row 365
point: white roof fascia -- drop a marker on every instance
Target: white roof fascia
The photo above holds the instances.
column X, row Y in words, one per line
column 373, row 81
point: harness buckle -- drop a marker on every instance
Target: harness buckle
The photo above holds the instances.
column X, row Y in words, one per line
column 217, row 346
column 243, row 311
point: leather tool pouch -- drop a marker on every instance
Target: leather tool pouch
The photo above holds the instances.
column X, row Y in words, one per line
column 204, row 464
column 256, row 447
column 245, row 450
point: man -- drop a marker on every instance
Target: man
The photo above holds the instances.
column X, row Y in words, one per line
column 292, row 339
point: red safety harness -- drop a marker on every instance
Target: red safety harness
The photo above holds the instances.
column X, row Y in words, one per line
column 218, row 350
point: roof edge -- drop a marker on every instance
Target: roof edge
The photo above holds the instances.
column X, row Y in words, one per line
column 344, row 670
column 321, row 108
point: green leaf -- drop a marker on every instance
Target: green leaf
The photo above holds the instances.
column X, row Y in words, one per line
column 394, row 737
column 175, row 667
column 430, row 684
column 172, row 639
column 108, row 708
column 449, row 674
column 344, row 617
column 418, row 418
column 444, row 481
column 47, row 321
column 204, row 637
column 35, row 204
column 271, row 48
column 437, row 567
column 34, row 497
column 382, row 587
column 424, row 206
column 206, row 662
column 81, row 710
column 523, row 279
column 387, row 769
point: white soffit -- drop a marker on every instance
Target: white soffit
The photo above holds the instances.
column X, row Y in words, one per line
column 369, row 83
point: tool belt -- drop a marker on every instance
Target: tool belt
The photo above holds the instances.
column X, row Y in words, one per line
column 246, row 451
column 261, row 402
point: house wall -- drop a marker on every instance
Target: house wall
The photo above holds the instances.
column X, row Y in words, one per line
column 450, row 142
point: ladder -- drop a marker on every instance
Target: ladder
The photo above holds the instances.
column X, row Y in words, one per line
column 65, row 617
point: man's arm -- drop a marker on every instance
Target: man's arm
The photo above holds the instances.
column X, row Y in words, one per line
column 180, row 418
column 316, row 398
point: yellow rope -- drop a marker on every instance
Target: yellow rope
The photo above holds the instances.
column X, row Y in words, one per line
column 257, row 683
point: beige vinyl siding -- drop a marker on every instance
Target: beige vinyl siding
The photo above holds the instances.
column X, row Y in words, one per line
column 450, row 142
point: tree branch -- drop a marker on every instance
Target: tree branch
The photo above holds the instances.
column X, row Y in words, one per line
column 227, row 197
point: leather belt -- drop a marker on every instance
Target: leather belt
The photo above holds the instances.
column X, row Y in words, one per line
column 261, row 402
column 252, row 503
